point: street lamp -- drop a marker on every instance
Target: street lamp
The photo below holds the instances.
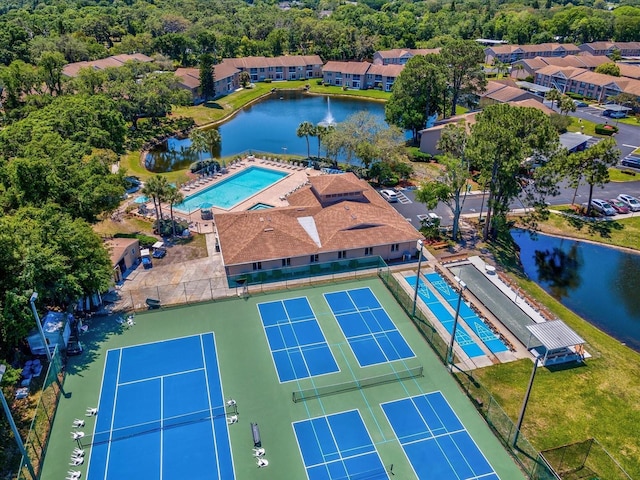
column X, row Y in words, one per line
column 419, row 245
column 32, row 301
column 14, row 429
column 526, row 400
column 455, row 321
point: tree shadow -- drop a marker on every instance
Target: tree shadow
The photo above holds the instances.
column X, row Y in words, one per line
column 215, row 105
column 602, row 228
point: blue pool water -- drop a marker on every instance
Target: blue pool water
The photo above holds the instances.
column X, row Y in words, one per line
column 260, row 206
column 232, row 190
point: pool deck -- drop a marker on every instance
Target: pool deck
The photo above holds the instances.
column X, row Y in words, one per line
column 275, row 194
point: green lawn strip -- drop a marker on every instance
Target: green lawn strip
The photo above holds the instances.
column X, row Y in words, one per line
column 597, row 400
column 623, row 233
column 633, row 121
column 589, row 127
column 624, row 175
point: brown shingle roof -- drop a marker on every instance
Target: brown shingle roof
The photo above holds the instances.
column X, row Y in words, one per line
column 347, row 67
column 401, row 52
column 118, row 246
column 253, row 236
column 385, row 70
column 72, row 69
column 282, row 61
column 531, row 103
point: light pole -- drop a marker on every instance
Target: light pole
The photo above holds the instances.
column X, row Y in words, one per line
column 32, row 301
column 14, row 429
column 419, row 244
column 526, row 400
column 455, row 322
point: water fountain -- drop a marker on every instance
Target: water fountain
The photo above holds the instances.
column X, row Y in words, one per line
column 328, row 119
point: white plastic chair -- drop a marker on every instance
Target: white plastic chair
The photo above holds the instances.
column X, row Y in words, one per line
column 262, row 462
column 77, row 435
column 78, row 423
column 259, row 452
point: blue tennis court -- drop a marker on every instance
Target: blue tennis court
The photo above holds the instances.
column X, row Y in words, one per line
column 490, row 339
column 435, row 441
column 338, row 446
column 463, row 339
column 372, row 335
column 298, row 345
column 161, row 414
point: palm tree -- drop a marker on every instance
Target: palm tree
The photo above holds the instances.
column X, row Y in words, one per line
column 306, row 129
column 157, row 188
column 566, row 105
column 174, row 197
column 554, row 96
column 205, row 140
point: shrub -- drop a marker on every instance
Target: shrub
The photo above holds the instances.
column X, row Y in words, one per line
column 267, row 80
column 319, row 81
column 575, row 96
column 418, row 156
column 345, row 88
column 145, row 240
column 606, row 129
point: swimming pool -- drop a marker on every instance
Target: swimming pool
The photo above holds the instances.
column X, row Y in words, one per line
column 233, row 190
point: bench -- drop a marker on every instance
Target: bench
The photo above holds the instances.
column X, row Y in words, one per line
column 439, row 245
column 152, row 303
column 255, row 432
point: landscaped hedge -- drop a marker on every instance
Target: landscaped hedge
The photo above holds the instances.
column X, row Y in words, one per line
column 606, row 129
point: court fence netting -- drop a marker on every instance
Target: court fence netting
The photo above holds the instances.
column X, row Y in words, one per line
column 586, row 460
column 356, row 384
column 152, row 427
column 40, row 428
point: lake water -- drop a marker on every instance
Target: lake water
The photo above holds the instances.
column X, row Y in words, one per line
column 600, row 284
column 268, row 126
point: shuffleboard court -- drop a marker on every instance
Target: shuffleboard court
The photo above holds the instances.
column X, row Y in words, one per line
column 463, row 339
column 298, row 345
column 435, row 441
column 337, row 447
column 372, row 335
column 161, row 414
column 490, row 339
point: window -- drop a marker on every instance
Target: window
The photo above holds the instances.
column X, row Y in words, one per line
column 342, row 254
column 257, row 265
column 313, row 258
column 368, row 251
column 286, row 262
column 395, row 247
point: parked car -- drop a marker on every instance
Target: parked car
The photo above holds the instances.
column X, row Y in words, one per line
column 619, row 205
column 580, row 103
column 631, row 161
column 603, row 207
column 614, row 114
column 389, row 195
column 632, row 202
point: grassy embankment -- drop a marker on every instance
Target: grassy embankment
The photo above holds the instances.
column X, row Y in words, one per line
column 600, row 399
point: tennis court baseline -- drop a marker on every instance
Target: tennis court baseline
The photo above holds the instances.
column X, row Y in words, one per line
column 338, row 446
column 298, row 345
column 490, row 339
column 372, row 335
column 435, row 441
column 161, row 414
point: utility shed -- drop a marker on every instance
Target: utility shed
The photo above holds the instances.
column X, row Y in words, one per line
column 560, row 344
column 57, row 330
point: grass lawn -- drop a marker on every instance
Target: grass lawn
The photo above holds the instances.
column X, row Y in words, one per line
column 589, row 127
column 624, row 175
column 600, row 399
column 622, row 233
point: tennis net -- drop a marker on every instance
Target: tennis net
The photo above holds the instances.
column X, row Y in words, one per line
column 356, row 384
column 130, row 431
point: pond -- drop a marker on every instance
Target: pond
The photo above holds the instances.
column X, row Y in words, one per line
column 598, row 283
column 268, row 126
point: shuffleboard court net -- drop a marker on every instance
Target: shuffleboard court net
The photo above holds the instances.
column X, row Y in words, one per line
column 321, row 391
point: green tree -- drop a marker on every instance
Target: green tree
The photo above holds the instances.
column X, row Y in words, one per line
column 207, row 76
column 450, row 187
column 51, row 65
column 554, row 96
column 608, row 69
column 244, row 78
column 501, row 140
column 416, row 94
column 173, row 197
column 306, row 130
column 208, row 140
column 157, row 188
column 566, row 105
column 591, row 166
column 464, row 59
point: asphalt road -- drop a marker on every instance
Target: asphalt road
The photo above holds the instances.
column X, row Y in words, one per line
column 409, row 208
column 628, row 136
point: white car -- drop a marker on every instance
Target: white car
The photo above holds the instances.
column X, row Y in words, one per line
column 603, row 207
column 389, row 195
column 632, row 202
